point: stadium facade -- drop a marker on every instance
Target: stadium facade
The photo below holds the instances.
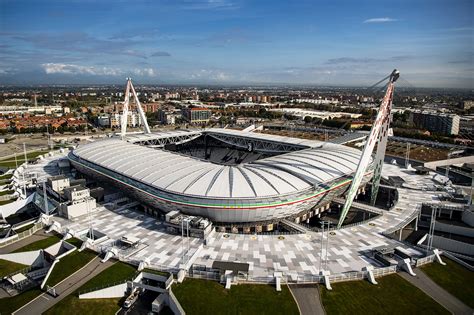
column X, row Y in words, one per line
column 294, row 177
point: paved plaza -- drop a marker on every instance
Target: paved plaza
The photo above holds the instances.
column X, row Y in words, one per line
column 294, row 254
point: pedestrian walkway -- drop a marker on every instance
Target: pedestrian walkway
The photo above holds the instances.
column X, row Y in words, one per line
column 307, row 298
column 448, row 301
column 45, row 301
column 26, row 241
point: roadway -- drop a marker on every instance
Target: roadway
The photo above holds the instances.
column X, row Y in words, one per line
column 45, row 301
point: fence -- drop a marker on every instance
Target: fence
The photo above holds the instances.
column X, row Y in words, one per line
column 21, row 235
column 425, row 260
column 349, row 276
column 380, row 272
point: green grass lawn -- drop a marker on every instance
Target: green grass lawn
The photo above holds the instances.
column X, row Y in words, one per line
column 5, row 202
column 6, row 176
column 20, row 158
column 157, row 272
column 6, row 192
column 74, row 241
column 393, row 295
column 68, row 265
column 116, row 273
column 10, row 304
column 5, row 181
column 8, row 267
column 24, row 228
column 73, row 305
column 41, row 244
column 454, row 278
column 198, row 296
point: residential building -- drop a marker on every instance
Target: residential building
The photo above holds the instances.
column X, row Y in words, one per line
column 441, row 123
column 196, row 115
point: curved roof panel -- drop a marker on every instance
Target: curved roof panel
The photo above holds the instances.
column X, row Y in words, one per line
column 282, row 174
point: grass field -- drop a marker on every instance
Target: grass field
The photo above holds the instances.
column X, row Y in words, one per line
column 6, row 192
column 6, row 176
column 5, row 202
column 393, row 295
column 157, row 272
column 41, row 244
column 68, row 265
column 24, row 228
column 11, row 304
column 8, row 267
column 118, row 272
column 454, row 278
column 209, row 297
column 20, row 158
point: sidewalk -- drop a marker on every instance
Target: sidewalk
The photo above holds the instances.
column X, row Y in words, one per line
column 307, row 298
column 448, row 301
column 39, row 235
column 45, row 301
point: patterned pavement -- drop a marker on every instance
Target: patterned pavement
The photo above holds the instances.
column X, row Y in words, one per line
column 294, row 254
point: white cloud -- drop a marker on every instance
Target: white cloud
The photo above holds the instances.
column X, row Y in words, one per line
column 380, row 20
column 54, row 68
column 145, row 72
column 209, row 75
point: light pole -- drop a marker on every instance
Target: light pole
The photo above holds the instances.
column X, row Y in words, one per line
column 322, row 245
column 407, row 157
column 327, row 246
column 432, row 228
column 24, row 152
column 182, row 240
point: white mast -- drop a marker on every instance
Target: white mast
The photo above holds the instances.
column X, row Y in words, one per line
column 124, row 120
column 382, row 120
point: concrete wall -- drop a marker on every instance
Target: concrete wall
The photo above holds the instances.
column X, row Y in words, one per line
column 13, row 207
column 174, row 304
column 79, row 209
column 115, row 291
column 25, row 258
column 459, row 160
column 468, row 217
column 453, row 246
column 455, row 229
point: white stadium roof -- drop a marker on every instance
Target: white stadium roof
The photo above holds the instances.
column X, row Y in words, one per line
column 282, row 174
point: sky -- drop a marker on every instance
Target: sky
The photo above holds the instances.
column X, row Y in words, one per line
column 224, row 42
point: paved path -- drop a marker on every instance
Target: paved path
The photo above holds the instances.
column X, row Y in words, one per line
column 30, row 239
column 423, row 282
column 307, row 298
column 64, row 288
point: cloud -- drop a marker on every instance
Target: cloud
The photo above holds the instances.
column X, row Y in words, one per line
column 53, row 68
column 206, row 4
column 380, row 20
column 62, row 68
column 78, row 42
column 208, row 75
column 144, row 72
column 160, row 54
column 137, row 33
column 345, row 60
column 461, row 29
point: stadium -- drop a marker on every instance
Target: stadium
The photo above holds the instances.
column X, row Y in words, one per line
column 231, row 177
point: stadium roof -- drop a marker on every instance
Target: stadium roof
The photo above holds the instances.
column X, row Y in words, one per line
column 177, row 173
